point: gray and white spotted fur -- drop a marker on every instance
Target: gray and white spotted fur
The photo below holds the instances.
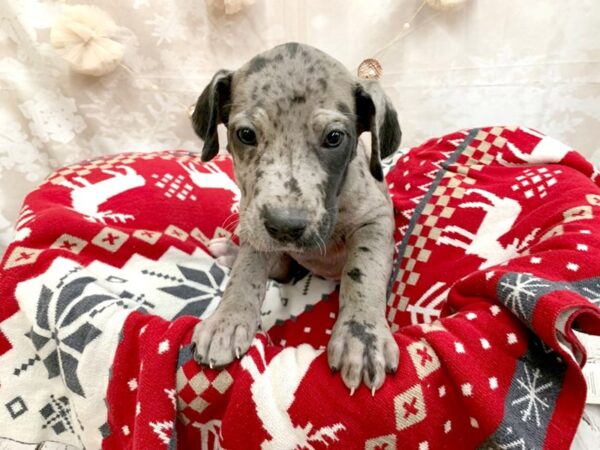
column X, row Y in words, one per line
column 291, row 97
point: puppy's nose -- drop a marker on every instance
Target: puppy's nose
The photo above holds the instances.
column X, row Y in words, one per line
column 285, row 224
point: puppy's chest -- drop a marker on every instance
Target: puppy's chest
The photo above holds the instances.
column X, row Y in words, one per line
column 328, row 264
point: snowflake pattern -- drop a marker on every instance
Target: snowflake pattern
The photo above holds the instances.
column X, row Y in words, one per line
column 165, row 27
column 533, row 387
column 52, row 116
column 520, row 292
column 166, row 23
column 199, row 289
column 63, row 329
column 517, row 444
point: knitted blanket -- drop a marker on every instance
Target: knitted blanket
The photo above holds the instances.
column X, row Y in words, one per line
column 496, row 264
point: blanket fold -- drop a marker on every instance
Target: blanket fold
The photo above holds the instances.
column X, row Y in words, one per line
column 496, row 265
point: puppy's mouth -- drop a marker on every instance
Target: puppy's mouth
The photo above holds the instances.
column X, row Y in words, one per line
column 314, row 238
column 312, row 242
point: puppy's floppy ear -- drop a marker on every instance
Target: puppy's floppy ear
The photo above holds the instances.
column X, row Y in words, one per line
column 376, row 114
column 212, row 109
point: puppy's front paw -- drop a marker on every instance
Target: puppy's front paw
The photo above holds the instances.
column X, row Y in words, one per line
column 224, row 336
column 362, row 349
column 224, row 251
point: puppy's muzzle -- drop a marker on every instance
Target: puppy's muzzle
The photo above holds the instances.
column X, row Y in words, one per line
column 285, row 224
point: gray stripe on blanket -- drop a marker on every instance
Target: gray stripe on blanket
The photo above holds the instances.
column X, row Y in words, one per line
column 520, row 292
column 419, row 209
column 531, row 399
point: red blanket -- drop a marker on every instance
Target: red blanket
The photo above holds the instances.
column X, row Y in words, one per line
column 497, row 262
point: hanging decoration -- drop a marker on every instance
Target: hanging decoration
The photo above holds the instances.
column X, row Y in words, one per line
column 370, row 68
column 85, row 36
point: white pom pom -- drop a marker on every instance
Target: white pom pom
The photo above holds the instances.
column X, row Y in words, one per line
column 84, row 37
column 446, row 5
column 229, row 6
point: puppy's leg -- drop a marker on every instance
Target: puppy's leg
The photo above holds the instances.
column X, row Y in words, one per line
column 362, row 346
column 227, row 334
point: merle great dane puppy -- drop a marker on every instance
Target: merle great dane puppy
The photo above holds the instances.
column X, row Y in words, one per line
column 311, row 192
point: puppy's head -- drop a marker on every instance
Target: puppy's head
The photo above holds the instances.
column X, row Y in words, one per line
column 293, row 116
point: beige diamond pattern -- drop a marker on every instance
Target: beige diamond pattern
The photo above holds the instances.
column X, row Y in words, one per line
column 387, row 442
column 199, row 383
column 151, row 237
column 423, row 358
column 70, row 243
column 453, row 185
column 110, row 239
column 222, row 382
column 21, row 256
column 176, row 232
column 409, row 407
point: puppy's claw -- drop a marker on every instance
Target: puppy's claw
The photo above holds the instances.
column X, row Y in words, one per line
column 223, row 336
column 359, row 362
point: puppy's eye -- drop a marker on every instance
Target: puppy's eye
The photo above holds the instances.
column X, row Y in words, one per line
column 246, row 136
column 333, row 139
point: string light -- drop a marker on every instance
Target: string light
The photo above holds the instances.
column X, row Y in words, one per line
column 370, row 68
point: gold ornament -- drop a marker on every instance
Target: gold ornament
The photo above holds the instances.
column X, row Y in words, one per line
column 370, row 69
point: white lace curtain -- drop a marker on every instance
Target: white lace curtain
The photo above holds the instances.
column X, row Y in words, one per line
column 534, row 62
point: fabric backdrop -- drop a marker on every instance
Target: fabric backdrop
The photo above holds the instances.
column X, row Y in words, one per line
column 534, row 63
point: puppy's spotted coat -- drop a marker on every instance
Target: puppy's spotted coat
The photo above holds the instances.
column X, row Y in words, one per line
column 310, row 191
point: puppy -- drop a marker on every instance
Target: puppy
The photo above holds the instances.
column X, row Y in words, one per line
column 311, row 192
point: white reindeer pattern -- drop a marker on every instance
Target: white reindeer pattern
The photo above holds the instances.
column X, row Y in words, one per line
column 547, row 151
column 500, row 216
column 87, row 197
column 273, row 391
column 214, row 178
column 428, row 304
column 208, row 429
